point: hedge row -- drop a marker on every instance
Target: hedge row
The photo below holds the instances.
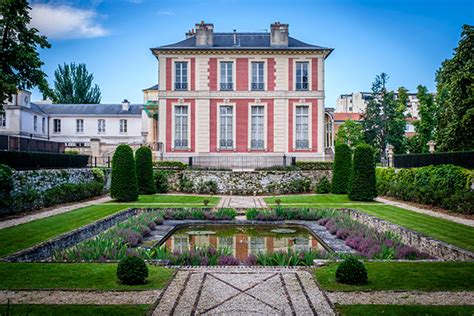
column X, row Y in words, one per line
column 463, row 159
column 446, row 186
column 170, row 165
column 36, row 160
column 314, row 165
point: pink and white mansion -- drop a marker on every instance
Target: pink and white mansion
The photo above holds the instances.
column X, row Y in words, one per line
column 238, row 95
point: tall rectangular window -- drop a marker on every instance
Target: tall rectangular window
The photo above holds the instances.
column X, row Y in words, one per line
column 35, row 123
column 226, row 76
column 258, row 82
column 302, row 75
column 181, row 127
column 57, row 125
column 101, row 126
column 302, row 127
column 226, row 127
column 80, row 126
column 43, row 125
column 181, row 75
column 257, row 140
column 3, row 119
column 123, row 126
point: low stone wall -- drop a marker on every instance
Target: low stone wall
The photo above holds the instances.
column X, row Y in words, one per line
column 411, row 238
column 248, row 182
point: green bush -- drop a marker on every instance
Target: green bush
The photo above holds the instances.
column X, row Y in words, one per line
column 132, row 271
column 295, row 186
column 144, row 168
column 207, row 187
column 26, row 200
column 362, row 185
column 170, row 165
column 323, row 186
column 341, row 169
column 251, row 214
column 124, row 185
column 99, row 175
column 161, row 181
column 314, row 165
column 37, row 160
column 71, row 152
column 185, row 185
column 6, row 186
column 351, row 271
column 70, row 192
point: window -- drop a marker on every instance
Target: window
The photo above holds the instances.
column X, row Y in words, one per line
column 301, row 76
column 43, row 125
column 57, row 125
column 226, row 126
column 257, row 127
column 302, row 141
column 226, row 76
column 181, row 75
column 3, row 119
column 35, row 123
column 181, row 127
column 80, row 126
column 123, row 126
column 257, row 76
column 101, row 126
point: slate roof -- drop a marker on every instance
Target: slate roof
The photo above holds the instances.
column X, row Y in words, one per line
column 89, row 109
column 244, row 41
column 155, row 87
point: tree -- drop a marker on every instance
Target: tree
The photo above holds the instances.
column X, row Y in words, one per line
column 455, row 96
column 124, row 185
column 362, row 186
column 21, row 64
column 350, row 133
column 426, row 125
column 384, row 119
column 144, row 167
column 341, row 171
column 73, row 85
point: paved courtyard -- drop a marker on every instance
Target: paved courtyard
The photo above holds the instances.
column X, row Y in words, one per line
column 234, row 201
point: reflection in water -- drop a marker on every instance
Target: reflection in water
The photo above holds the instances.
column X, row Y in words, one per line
column 243, row 240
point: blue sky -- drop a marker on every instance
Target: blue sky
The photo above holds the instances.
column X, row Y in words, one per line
column 406, row 39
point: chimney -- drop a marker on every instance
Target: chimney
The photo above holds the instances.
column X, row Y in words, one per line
column 204, row 34
column 125, row 105
column 190, row 33
column 279, row 35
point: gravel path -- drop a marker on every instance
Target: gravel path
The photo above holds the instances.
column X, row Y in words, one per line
column 79, row 297
column 402, row 298
column 459, row 220
column 51, row 212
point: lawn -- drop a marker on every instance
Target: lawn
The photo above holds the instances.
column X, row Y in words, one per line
column 97, row 276
column 397, row 310
column 405, row 276
column 171, row 200
column 66, row 310
column 26, row 235
column 438, row 228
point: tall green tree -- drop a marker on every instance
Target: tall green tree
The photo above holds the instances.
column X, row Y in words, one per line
column 350, row 133
column 455, row 96
column 73, row 85
column 20, row 61
column 425, row 126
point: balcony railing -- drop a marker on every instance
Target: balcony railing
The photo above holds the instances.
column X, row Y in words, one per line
column 258, row 86
column 301, row 86
column 181, row 143
column 227, row 86
column 226, row 143
column 181, row 86
column 257, row 144
column 302, row 144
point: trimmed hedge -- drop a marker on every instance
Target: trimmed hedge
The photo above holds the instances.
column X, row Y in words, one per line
column 37, row 160
column 447, row 186
column 314, row 165
column 341, row 169
column 351, row 271
column 362, row 186
column 144, row 168
column 463, row 159
column 6, row 185
column 124, row 185
column 132, row 271
column 178, row 165
column 323, row 186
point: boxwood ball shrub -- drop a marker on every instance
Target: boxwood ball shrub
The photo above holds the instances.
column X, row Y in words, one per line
column 362, row 185
column 341, row 169
column 144, row 166
column 124, row 185
column 132, row 271
column 351, row 271
column 323, row 186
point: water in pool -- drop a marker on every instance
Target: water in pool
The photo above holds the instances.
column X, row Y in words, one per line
column 243, row 239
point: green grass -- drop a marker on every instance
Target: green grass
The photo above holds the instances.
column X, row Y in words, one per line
column 399, row 310
column 64, row 310
column 26, row 235
column 405, row 276
column 97, row 276
column 172, row 200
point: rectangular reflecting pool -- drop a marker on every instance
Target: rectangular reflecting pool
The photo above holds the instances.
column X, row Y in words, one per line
column 244, row 240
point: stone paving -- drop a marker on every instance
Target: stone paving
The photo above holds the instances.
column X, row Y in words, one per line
column 243, row 291
column 234, row 201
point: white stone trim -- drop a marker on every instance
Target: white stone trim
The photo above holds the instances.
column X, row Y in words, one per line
column 234, row 129
column 265, row 72
column 234, row 73
column 265, row 125
column 173, row 105
column 310, row 125
column 310, row 80
column 173, row 72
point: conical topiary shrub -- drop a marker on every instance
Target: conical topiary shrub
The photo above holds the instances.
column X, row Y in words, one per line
column 341, row 169
column 144, row 167
column 124, row 177
column 362, row 185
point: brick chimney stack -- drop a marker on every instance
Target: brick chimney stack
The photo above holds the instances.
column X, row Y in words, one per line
column 279, row 35
column 204, row 34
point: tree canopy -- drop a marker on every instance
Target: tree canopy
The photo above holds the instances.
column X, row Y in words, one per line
column 21, row 64
column 350, row 133
column 73, row 85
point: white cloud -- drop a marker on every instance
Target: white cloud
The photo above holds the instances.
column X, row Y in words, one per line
column 165, row 13
column 65, row 22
